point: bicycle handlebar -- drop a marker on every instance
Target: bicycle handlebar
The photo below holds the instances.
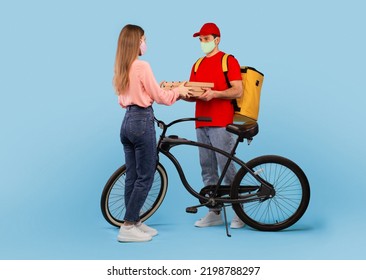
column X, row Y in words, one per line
column 204, row 119
column 162, row 125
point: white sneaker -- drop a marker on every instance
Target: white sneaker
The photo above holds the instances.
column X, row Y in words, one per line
column 145, row 228
column 132, row 234
column 211, row 219
column 236, row 222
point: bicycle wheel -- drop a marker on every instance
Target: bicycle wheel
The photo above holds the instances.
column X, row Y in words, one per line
column 113, row 203
column 289, row 203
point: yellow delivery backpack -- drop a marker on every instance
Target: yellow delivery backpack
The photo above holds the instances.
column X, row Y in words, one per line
column 246, row 107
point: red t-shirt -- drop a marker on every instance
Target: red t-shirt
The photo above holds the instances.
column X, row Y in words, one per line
column 210, row 70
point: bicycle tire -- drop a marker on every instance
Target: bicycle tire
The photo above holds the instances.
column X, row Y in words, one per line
column 112, row 199
column 289, row 203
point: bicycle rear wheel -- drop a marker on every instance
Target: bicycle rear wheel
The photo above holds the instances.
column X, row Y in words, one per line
column 113, row 203
column 289, row 203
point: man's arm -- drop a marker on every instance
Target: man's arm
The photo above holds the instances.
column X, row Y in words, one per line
column 235, row 91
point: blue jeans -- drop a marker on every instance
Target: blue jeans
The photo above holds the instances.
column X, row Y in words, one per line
column 139, row 143
column 210, row 161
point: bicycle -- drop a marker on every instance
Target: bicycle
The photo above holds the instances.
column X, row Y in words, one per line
column 268, row 193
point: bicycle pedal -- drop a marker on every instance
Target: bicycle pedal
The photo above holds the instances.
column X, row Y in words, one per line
column 192, row 210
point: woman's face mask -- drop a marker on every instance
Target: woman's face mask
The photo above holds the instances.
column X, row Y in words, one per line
column 208, row 47
column 143, row 47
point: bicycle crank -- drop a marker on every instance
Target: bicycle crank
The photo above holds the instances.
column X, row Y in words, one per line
column 210, row 193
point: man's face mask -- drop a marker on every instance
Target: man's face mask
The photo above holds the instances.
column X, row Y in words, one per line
column 208, row 47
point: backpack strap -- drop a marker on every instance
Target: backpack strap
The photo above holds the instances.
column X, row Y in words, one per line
column 198, row 62
column 225, row 68
column 225, row 58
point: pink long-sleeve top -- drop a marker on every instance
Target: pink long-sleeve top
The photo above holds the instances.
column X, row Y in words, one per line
column 144, row 89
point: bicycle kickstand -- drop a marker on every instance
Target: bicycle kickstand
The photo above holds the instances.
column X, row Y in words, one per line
column 193, row 210
column 226, row 226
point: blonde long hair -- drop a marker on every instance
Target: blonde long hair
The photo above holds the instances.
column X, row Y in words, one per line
column 128, row 49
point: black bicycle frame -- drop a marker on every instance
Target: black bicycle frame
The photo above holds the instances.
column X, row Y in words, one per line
column 166, row 143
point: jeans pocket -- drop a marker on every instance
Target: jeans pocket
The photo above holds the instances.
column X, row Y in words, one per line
column 137, row 125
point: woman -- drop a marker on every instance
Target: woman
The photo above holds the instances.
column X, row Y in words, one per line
column 137, row 89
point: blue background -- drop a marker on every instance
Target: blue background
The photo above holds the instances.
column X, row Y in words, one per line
column 60, row 123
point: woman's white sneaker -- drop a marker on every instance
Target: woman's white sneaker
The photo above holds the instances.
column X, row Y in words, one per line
column 132, row 234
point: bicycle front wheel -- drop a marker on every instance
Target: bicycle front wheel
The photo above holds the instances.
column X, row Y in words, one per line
column 113, row 196
column 289, row 203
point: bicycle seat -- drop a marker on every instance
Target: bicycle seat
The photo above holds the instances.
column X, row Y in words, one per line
column 244, row 131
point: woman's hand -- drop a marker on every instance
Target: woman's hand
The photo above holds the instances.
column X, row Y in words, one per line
column 184, row 92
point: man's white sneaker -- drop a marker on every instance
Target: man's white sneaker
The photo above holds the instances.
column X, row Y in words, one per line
column 145, row 228
column 236, row 222
column 132, row 234
column 211, row 219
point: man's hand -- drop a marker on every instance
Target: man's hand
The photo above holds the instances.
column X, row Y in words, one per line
column 207, row 95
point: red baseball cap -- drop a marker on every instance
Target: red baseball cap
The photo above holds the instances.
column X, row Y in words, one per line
column 208, row 29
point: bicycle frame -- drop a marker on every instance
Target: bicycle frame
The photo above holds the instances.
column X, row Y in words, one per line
column 165, row 143
column 270, row 176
